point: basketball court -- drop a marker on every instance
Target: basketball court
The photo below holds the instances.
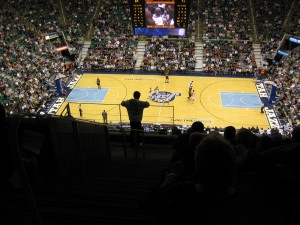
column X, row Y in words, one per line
column 219, row 102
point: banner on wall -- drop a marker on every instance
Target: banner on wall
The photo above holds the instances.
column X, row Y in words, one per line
column 273, row 94
column 58, row 86
column 273, row 91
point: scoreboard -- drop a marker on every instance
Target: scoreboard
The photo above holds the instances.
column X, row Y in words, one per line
column 159, row 17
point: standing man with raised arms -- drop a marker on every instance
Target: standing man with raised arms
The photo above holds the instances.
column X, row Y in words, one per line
column 135, row 109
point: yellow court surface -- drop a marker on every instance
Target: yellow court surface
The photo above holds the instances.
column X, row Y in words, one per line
column 219, row 102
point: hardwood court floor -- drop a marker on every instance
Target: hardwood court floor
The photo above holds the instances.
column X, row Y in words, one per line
column 218, row 101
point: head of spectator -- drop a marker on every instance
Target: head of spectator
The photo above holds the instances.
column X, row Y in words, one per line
column 176, row 130
column 276, row 137
column 215, row 163
column 136, row 95
column 230, row 134
column 246, row 138
column 265, row 143
column 182, row 144
column 197, row 126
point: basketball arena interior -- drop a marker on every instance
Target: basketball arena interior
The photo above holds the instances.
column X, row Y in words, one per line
column 219, row 138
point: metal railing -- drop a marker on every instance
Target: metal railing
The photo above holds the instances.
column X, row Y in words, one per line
column 158, row 114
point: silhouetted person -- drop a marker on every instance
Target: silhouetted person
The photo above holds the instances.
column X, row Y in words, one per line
column 230, row 134
column 246, row 150
column 104, row 116
column 182, row 160
column 280, row 169
column 167, row 73
column 265, row 143
column 207, row 196
column 183, row 140
column 262, row 107
column 98, row 83
column 80, row 110
column 135, row 109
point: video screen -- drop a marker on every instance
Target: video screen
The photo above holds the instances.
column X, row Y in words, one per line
column 160, row 14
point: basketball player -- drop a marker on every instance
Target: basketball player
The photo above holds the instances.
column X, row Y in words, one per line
column 167, row 75
column 98, row 83
column 80, row 110
column 150, row 93
column 190, row 85
column 262, row 107
column 193, row 96
column 156, row 90
column 157, row 17
column 190, row 94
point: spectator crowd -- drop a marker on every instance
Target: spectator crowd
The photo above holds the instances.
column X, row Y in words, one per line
column 177, row 55
column 29, row 65
column 227, row 39
column 286, row 77
column 237, row 177
column 113, row 45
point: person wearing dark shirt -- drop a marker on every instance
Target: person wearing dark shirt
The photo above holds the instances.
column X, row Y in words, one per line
column 135, row 109
column 80, row 110
column 104, row 116
column 98, row 83
column 207, row 197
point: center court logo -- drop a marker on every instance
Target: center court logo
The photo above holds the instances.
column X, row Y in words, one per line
column 164, row 96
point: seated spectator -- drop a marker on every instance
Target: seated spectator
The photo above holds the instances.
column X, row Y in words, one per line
column 29, row 77
column 177, row 54
column 287, row 104
column 269, row 19
column 294, row 28
column 183, row 141
column 230, row 134
column 280, row 171
column 79, row 17
column 43, row 16
column 265, row 143
column 205, row 198
column 182, row 160
column 246, row 150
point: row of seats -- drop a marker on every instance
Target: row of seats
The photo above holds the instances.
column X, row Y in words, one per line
column 114, row 45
